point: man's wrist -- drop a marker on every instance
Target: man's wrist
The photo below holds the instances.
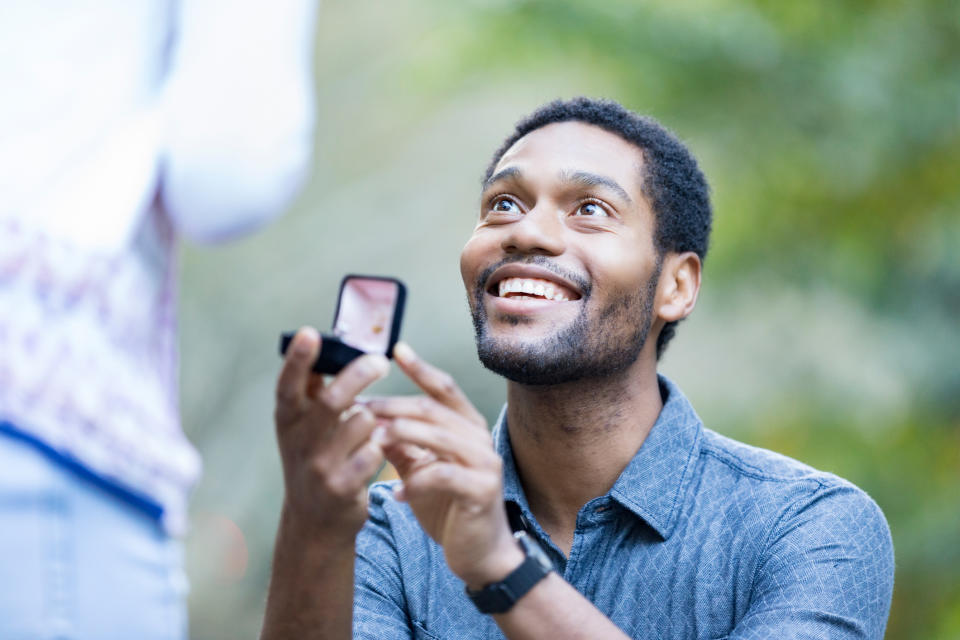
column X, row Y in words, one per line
column 305, row 533
column 499, row 565
column 500, row 596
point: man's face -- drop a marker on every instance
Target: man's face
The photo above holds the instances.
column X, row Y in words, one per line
column 561, row 270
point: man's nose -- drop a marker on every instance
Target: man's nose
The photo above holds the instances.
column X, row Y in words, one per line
column 541, row 231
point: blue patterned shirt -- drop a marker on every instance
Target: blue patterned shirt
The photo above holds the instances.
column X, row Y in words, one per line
column 700, row 537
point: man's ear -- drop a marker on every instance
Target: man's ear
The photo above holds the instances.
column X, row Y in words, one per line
column 679, row 286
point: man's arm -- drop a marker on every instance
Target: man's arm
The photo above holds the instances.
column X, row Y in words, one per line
column 453, row 481
column 329, row 453
column 311, row 585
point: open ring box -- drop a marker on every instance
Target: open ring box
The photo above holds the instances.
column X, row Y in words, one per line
column 367, row 320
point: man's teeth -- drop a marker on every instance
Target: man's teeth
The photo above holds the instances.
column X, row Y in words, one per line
column 533, row 287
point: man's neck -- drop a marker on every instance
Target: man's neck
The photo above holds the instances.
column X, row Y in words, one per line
column 571, row 441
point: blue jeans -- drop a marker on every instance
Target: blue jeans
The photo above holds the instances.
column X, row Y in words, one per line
column 77, row 562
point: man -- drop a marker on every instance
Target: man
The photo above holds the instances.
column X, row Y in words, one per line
column 588, row 250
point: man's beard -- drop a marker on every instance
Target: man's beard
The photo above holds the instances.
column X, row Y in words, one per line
column 591, row 347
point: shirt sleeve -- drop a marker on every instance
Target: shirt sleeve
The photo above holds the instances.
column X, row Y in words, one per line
column 379, row 604
column 238, row 114
column 827, row 571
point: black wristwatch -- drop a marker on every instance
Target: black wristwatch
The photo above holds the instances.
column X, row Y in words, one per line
column 499, row 597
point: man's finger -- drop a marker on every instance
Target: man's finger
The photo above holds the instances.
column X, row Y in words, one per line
column 315, row 385
column 295, row 374
column 435, row 383
column 362, row 464
column 351, row 434
column 406, row 457
column 442, row 442
column 342, row 391
column 447, row 478
column 423, row 408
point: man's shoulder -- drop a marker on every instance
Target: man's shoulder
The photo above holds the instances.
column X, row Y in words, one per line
column 758, row 463
column 725, row 460
column 758, row 480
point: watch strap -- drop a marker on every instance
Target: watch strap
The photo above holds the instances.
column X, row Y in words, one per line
column 500, row 597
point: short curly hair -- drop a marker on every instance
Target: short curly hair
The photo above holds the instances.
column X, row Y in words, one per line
column 671, row 179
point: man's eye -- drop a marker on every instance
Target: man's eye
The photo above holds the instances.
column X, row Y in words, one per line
column 505, row 204
column 592, row 209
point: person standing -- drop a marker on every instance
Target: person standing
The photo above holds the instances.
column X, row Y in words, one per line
column 125, row 126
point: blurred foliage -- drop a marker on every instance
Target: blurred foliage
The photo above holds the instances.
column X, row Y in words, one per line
column 827, row 328
column 830, row 130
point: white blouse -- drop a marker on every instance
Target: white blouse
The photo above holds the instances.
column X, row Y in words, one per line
column 125, row 124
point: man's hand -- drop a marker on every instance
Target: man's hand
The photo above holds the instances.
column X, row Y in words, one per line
column 330, row 451
column 325, row 440
column 452, row 476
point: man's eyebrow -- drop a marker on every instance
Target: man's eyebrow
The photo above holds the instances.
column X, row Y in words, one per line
column 581, row 178
column 587, row 179
column 510, row 173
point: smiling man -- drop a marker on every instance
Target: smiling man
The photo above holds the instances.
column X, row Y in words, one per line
column 599, row 506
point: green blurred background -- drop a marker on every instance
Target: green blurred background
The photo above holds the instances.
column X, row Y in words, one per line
column 827, row 327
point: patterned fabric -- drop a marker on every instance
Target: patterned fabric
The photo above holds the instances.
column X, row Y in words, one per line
column 700, row 537
column 89, row 360
column 111, row 111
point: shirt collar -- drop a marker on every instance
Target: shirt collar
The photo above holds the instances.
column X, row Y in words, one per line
column 654, row 482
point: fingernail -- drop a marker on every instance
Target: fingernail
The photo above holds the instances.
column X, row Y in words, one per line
column 381, row 365
column 379, row 435
column 399, row 493
column 301, row 345
column 403, row 353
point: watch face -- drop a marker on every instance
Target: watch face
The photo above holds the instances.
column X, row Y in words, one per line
column 533, row 550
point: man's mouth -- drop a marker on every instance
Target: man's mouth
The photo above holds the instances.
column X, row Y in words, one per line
column 532, row 289
column 516, row 288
